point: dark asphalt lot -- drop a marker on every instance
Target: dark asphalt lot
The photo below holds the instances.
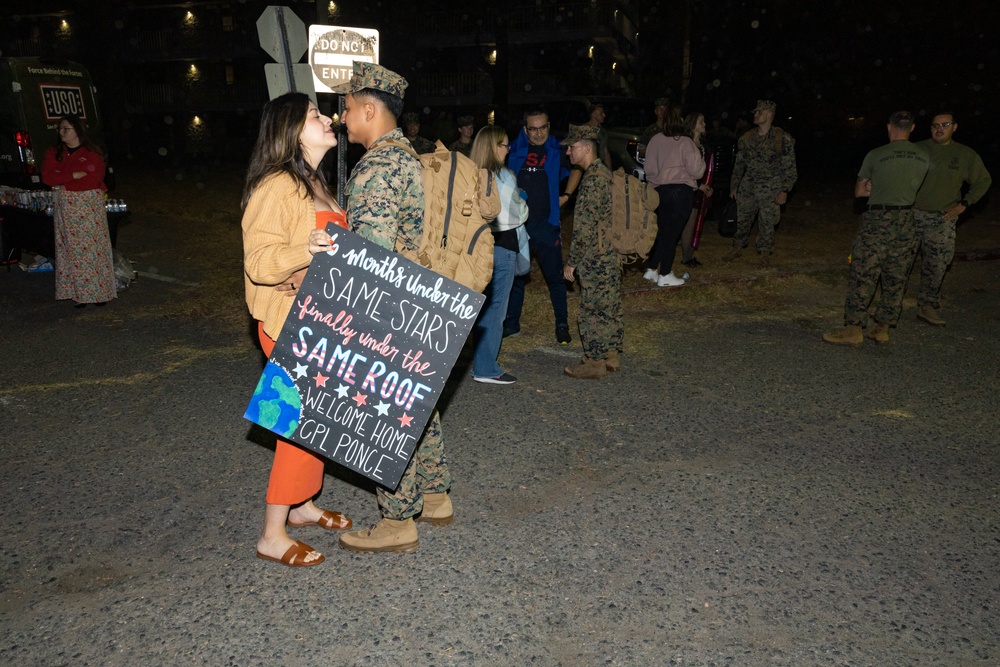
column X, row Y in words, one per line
column 750, row 496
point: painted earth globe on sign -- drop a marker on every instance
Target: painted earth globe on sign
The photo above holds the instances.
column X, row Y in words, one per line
column 276, row 404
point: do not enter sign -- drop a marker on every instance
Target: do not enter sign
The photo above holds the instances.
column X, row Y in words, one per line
column 333, row 50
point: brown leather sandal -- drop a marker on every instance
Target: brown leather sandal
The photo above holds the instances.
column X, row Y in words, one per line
column 328, row 521
column 295, row 556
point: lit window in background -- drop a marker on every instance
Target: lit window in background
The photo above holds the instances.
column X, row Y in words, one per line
column 492, row 58
column 193, row 74
column 64, row 29
column 230, row 75
column 332, row 10
column 190, row 20
column 590, row 52
column 227, row 23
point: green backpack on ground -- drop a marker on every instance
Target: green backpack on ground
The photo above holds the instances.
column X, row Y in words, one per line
column 459, row 201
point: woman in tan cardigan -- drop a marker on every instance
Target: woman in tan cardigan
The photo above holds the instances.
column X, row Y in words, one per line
column 286, row 206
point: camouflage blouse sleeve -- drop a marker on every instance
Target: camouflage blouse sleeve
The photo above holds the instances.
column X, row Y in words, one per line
column 740, row 164
column 789, row 172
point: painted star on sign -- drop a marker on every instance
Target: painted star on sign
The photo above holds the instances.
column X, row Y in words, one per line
column 321, row 379
column 405, row 420
column 342, row 391
column 383, row 408
column 360, row 399
column 300, row 370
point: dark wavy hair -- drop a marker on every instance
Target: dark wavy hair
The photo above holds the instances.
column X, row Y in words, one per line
column 81, row 134
column 673, row 123
column 278, row 149
column 690, row 121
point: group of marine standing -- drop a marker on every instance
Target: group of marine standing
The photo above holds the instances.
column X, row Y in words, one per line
column 915, row 196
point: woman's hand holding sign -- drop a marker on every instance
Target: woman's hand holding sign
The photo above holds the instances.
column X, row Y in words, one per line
column 319, row 241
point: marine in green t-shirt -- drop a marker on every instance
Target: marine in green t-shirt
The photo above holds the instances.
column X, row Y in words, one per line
column 938, row 206
column 886, row 242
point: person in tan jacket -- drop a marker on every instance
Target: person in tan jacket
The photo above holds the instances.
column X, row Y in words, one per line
column 286, row 207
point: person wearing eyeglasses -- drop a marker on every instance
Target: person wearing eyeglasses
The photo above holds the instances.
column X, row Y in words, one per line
column 886, row 242
column 536, row 158
column 489, row 152
column 938, row 206
column 74, row 168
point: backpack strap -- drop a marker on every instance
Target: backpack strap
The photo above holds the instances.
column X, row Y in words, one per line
column 405, row 146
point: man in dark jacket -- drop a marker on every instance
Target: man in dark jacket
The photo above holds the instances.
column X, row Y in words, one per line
column 535, row 156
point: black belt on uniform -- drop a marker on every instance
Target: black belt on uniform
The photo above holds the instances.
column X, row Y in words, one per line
column 883, row 207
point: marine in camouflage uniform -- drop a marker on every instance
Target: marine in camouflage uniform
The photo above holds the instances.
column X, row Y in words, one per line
column 938, row 206
column 763, row 175
column 660, row 107
column 593, row 261
column 411, row 126
column 385, row 204
column 886, row 243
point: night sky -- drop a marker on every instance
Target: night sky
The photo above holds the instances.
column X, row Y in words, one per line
column 836, row 68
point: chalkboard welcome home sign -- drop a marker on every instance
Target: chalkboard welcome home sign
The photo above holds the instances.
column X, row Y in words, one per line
column 363, row 357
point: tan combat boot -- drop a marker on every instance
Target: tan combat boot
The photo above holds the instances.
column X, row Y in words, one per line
column 437, row 509
column 733, row 253
column 879, row 333
column 849, row 335
column 613, row 363
column 589, row 369
column 930, row 315
column 386, row 535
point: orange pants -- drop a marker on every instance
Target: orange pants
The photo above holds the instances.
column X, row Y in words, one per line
column 297, row 473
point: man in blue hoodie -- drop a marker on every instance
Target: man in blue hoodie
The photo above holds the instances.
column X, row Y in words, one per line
column 535, row 157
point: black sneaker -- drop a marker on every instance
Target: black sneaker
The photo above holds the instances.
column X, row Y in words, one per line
column 562, row 334
column 504, row 378
column 511, row 333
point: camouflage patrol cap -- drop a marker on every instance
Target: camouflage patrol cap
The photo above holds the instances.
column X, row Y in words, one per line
column 409, row 117
column 661, row 102
column 765, row 105
column 370, row 75
column 462, row 121
column 578, row 132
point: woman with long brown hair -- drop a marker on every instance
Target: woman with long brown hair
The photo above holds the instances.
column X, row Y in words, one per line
column 674, row 165
column 75, row 168
column 286, row 207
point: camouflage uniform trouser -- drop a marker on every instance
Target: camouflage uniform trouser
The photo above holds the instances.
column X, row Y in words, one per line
column 884, row 248
column 936, row 240
column 600, row 317
column 427, row 472
column 757, row 200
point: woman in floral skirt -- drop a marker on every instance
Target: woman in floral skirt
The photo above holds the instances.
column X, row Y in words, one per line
column 74, row 168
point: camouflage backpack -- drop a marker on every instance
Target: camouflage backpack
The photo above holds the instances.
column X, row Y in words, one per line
column 459, row 201
column 633, row 216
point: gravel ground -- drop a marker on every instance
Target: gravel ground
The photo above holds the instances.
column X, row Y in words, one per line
column 740, row 494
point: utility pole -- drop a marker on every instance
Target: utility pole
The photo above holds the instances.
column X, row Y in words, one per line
column 686, row 61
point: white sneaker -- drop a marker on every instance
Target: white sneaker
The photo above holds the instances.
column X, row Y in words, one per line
column 669, row 280
column 651, row 275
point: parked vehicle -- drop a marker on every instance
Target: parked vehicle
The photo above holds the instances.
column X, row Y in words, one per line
column 34, row 94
